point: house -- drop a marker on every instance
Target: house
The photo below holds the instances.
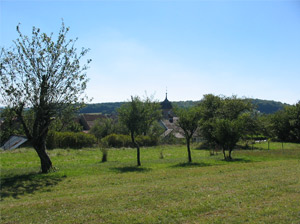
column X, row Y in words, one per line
column 171, row 128
column 168, row 121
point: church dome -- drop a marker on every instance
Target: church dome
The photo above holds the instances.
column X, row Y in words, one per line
column 166, row 104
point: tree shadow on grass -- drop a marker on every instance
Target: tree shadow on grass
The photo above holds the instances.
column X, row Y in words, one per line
column 241, row 160
column 26, row 184
column 191, row 165
column 127, row 169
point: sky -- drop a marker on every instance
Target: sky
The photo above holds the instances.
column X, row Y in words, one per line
column 187, row 48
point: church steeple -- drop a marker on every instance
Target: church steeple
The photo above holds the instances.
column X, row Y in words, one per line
column 166, row 104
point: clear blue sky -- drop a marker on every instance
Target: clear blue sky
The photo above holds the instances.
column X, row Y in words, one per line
column 245, row 48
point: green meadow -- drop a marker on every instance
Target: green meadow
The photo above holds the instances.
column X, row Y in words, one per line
column 257, row 186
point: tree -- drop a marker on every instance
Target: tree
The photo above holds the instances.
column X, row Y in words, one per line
column 265, row 125
column 225, row 120
column 286, row 123
column 44, row 75
column 250, row 125
column 209, row 109
column 227, row 133
column 188, row 121
column 138, row 116
column 295, row 122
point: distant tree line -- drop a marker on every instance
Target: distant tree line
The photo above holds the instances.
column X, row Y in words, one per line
column 103, row 108
column 263, row 106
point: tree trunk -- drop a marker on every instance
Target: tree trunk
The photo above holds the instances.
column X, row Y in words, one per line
column 138, row 155
column 189, row 150
column 104, row 155
column 46, row 163
column 137, row 148
column 224, row 153
column 230, row 150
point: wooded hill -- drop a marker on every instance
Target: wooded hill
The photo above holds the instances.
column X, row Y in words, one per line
column 264, row 106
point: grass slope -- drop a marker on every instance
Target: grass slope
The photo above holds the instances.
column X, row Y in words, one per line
column 259, row 186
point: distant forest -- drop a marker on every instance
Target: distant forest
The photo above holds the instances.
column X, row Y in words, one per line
column 263, row 106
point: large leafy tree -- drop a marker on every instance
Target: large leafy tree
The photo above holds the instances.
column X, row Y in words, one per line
column 225, row 120
column 227, row 133
column 44, row 74
column 138, row 116
column 209, row 109
column 286, row 123
column 188, row 121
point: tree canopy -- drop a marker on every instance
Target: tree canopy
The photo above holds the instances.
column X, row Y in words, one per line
column 224, row 120
column 44, row 75
column 138, row 116
column 188, row 121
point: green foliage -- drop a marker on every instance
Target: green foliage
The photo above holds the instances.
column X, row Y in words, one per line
column 267, row 106
column 103, row 127
column 66, row 119
column 138, row 116
column 147, row 140
column 45, row 75
column 64, row 140
column 103, row 108
column 120, row 141
column 185, row 104
column 286, row 124
column 224, row 120
column 156, row 130
column 116, row 141
column 263, row 106
column 210, row 109
column 227, row 132
column 188, row 121
column 172, row 140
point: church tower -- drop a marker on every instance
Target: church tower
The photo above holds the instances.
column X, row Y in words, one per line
column 166, row 107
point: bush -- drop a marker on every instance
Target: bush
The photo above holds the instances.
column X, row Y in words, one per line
column 116, row 141
column 146, row 140
column 119, row 140
column 69, row 140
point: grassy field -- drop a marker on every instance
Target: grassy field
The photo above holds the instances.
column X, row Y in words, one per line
column 258, row 186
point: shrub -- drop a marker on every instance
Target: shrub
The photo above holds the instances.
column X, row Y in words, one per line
column 69, row 140
column 146, row 140
column 119, row 140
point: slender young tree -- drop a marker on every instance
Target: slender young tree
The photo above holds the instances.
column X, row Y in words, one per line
column 138, row 116
column 43, row 74
column 188, row 122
